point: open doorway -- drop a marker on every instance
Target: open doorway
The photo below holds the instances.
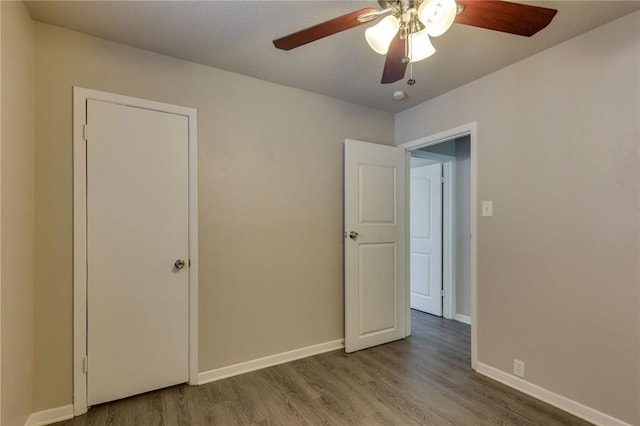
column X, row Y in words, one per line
column 433, row 146
column 439, row 229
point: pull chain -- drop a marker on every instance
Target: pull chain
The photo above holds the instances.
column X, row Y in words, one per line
column 411, row 80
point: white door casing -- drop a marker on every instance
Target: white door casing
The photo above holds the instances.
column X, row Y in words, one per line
column 375, row 258
column 425, row 238
column 471, row 130
column 135, row 214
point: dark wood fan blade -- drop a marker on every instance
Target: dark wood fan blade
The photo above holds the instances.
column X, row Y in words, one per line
column 322, row 30
column 394, row 69
column 514, row 18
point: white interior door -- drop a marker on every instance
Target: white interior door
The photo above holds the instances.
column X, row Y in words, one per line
column 425, row 238
column 137, row 228
column 375, row 299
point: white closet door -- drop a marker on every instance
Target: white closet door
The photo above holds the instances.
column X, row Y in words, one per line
column 425, row 239
column 137, row 228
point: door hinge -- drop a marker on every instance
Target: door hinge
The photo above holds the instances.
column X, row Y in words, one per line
column 442, row 293
column 85, row 132
column 443, row 179
column 85, row 365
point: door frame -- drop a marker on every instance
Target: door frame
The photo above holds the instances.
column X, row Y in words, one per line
column 471, row 130
column 449, row 232
column 80, row 98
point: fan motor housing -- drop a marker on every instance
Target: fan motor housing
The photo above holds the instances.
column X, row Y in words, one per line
column 403, row 4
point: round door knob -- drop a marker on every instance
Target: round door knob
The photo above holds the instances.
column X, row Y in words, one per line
column 353, row 235
column 180, row 264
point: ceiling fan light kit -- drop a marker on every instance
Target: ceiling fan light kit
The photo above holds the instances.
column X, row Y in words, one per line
column 413, row 24
column 403, row 35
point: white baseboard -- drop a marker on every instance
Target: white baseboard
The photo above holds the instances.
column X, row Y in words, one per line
column 50, row 416
column 462, row 318
column 267, row 361
column 563, row 403
column 59, row 414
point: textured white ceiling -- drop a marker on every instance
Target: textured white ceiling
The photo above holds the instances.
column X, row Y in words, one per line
column 236, row 36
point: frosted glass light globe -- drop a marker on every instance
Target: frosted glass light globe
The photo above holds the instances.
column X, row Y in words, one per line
column 380, row 35
column 420, row 46
column 437, row 15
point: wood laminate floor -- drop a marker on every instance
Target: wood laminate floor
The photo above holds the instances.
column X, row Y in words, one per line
column 425, row 379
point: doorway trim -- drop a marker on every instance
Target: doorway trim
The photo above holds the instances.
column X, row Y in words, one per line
column 80, row 98
column 471, row 130
column 449, row 232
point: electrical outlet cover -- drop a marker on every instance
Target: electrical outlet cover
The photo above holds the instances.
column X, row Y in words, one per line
column 518, row 368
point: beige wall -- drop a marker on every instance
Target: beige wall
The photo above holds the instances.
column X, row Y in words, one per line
column 0, row 215
column 17, row 212
column 558, row 263
column 270, row 201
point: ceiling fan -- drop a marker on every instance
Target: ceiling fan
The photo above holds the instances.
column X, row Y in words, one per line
column 403, row 34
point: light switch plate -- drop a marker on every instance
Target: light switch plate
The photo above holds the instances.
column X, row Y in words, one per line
column 487, row 208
